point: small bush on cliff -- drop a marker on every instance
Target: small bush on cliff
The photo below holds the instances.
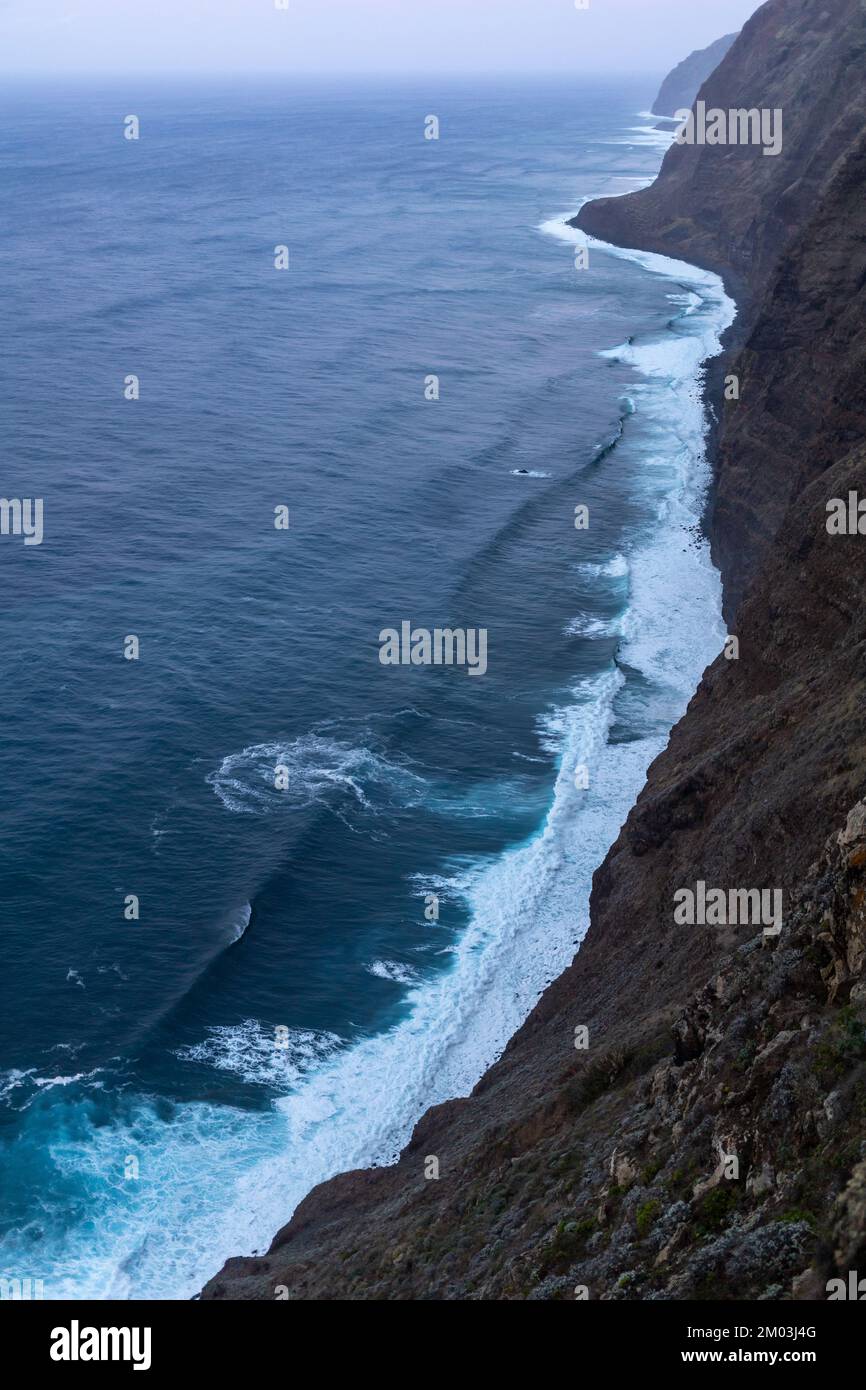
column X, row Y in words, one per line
column 844, row 1046
column 646, row 1215
column 746, row 1056
column 714, row 1210
column 597, row 1078
column 796, row 1215
column 568, row 1242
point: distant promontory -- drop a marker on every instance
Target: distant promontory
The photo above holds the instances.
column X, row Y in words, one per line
column 681, row 86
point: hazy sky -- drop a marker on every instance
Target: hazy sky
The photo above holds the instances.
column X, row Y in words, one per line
column 343, row 36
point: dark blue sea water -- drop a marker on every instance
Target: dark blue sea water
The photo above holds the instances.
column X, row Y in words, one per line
column 149, row 1124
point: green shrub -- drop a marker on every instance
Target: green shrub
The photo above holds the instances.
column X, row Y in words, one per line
column 715, row 1209
column 646, row 1216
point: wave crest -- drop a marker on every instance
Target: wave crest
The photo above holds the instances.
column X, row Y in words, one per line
column 308, row 772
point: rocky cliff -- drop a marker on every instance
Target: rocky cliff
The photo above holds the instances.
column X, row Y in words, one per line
column 708, row 1141
column 681, row 87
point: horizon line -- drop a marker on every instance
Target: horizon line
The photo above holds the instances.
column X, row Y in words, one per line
column 336, row 75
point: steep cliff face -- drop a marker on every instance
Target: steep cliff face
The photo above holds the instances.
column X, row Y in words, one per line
column 680, row 87
column 801, row 376
column 606, row 1167
column 731, row 207
column 786, row 231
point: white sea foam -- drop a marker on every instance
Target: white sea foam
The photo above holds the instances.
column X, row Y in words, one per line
column 11, row 1081
column 585, row 626
column 262, row 1055
column 221, row 1181
column 644, row 136
column 47, row 1082
column 615, row 568
column 647, row 134
column 18, row 1088
column 393, row 970
column 297, row 774
column 447, row 886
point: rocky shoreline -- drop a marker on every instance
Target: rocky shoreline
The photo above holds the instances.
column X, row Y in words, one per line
column 708, row 1141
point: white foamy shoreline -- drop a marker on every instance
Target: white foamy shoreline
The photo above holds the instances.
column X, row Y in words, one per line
column 531, row 908
column 356, row 1107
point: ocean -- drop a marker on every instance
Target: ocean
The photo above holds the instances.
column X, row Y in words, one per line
column 217, row 992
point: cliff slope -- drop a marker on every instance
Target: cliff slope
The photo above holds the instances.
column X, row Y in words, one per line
column 730, row 207
column 680, row 87
column 610, row 1168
